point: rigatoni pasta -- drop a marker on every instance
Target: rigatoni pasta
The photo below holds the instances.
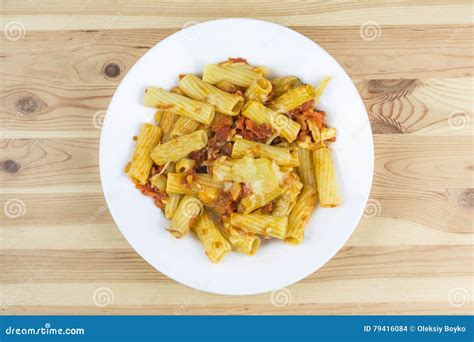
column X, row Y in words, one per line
column 236, row 73
column 328, row 188
column 178, row 148
column 189, row 209
column 300, row 214
column 141, row 161
column 215, row 245
column 236, row 156
column 179, row 105
column 224, row 102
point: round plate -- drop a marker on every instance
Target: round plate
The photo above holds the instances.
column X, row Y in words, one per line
column 283, row 52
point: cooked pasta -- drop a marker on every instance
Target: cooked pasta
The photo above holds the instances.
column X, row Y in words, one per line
column 328, row 188
column 215, row 245
column 224, row 102
column 179, row 105
column 235, row 156
column 141, row 161
column 300, row 215
column 178, row 148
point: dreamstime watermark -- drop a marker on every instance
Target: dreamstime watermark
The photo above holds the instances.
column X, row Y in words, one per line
column 12, row 300
column 98, row 35
column 99, row 212
column 458, row 120
column 372, row 209
column 370, row 30
column 458, row 208
column 47, row 329
column 192, row 30
column 192, row 208
column 459, row 297
column 14, row 30
column 22, row 109
column 103, row 296
column 281, row 297
column 280, row 122
column 455, row 33
column 14, row 208
column 101, row 119
column 380, row 285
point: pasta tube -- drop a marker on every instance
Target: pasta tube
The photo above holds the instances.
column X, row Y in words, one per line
column 328, row 188
column 179, row 105
column 215, row 245
column 246, row 169
column 241, row 75
column 141, row 162
column 167, row 122
column 258, row 90
column 306, row 168
column 265, row 225
column 183, row 219
column 172, row 204
column 224, row 102
column 283, row 125
column 183, row 125
column 281, row 155
column 293, row 98
column 241, row 241
column 178, row 148
column 300, row 215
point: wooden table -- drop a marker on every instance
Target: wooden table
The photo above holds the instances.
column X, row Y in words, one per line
column 61, row 252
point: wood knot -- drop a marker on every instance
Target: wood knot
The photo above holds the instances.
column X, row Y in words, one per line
column 26, row 104
column 10, row 166
column 112, row 69
column 392, row 89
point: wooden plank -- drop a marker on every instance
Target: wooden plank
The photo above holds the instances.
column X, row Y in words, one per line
column 57, row 15
column 189, row 308
column 334, row 292
column 68, row 165
column 125, row 265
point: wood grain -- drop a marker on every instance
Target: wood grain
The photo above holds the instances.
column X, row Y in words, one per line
column 413, row 247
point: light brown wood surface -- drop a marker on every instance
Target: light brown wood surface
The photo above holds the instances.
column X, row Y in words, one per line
column 61, row 252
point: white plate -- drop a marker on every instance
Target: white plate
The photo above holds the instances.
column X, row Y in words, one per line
column 283, row 52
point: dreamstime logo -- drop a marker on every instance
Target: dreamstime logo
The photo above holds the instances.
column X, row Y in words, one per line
column 279, row 122
column 101, row 119
column 372, row 209
column 14, row 31
column 458, row 297
column 192, row 208
column 458, row 120
column 14, row 208
column 103, row 296
column 370, row 30
column 281, row 297
column 192, row 30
